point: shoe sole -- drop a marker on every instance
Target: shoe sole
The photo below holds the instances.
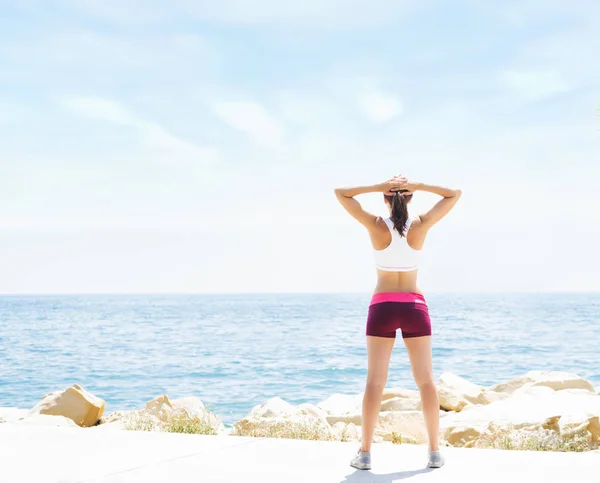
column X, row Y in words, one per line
column 360, row 467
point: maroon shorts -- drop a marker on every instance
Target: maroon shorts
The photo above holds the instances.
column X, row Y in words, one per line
column 391, row 311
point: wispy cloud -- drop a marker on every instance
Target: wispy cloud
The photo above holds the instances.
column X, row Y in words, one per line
column 380, row 107
column 151, row 133
column 103, row 109
column 254, row 120
column 330, row 14
column 535, row 85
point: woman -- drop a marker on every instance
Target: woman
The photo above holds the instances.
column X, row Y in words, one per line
column 398, row 303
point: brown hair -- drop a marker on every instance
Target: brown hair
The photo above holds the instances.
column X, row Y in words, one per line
column 399, row 215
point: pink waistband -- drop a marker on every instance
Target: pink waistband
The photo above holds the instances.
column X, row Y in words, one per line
column 397, row 297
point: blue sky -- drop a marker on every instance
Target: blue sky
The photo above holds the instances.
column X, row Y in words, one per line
column 193, row 146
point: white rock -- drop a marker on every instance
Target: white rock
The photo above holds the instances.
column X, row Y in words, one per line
column 160, row 407
column 294, row 426
column 401, row 404
column 584, row 392
column 456, row 393
column 571, row 426
column 75, row 403
column 554, row 380
column 355, row 419
column 339, row 404
column 160, row 411
column 410, row 425
column 192, row 405
column 312, row 411
column 273, row 408
column 594, row 428
column 523, row 410
column 469, row 391
column 399, row 392
column 279, row 417
column 463, row 435
column 532, row 390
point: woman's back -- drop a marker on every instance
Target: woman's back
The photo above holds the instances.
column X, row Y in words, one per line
column 404, row 236
column 397, row 257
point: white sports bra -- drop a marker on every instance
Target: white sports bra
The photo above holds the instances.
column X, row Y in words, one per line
column 398, row 256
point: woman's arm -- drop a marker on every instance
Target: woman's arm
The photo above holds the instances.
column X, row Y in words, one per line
column 442, row 207
column 346, row 197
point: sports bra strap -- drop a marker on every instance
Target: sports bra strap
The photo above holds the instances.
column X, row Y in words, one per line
column 390, row 224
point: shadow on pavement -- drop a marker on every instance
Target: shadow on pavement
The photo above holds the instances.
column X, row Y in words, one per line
column 361, row 476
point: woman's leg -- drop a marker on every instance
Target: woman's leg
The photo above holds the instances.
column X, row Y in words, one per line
column 419, row 353
column 379, row 351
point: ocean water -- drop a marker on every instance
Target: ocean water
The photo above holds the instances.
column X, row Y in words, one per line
column 236, row 351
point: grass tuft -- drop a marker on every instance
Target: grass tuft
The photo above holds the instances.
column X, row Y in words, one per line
column 140, row 421
column 510, row 438
column 182, row 423
column 304, row 429
column 176, row 422
column 396, row 438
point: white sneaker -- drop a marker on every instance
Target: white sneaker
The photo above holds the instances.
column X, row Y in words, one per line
column 362, row 460
column 436, row 460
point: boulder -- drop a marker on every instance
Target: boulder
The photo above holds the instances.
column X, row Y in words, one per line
column 159, row 415
column 340, row 404
column 547, row 410
column 557, row 381
column 392, row 393
column 463, row 435
column 312, row 411
column 160, row 407
column 293, row 426
column 355, row 419
column 278, row 418
column 456, row 393
column 162, row 410
column 273, row 408
column 75, row 403
column 192, row 406
column 531, row 390
column 398, row 403
column 401, row 404
column 410, row 425
column 594, row 428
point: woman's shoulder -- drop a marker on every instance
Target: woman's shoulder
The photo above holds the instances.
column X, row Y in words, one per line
column 415, row 220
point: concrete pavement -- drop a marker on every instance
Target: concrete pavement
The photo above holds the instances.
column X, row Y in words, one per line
column 73, row 455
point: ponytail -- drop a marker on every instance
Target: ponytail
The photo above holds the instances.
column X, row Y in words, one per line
column 399, row 216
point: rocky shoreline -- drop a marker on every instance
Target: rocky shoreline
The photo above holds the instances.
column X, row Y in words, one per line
column 548, row 406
